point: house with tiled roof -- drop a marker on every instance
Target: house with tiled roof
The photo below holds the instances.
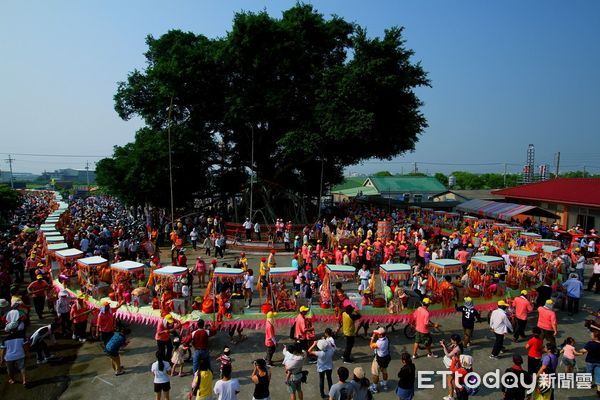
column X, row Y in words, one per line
column 575, row 200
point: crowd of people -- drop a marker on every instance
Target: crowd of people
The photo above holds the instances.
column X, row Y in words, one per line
column 103, row 226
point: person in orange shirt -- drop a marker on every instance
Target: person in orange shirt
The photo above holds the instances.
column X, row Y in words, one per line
column 547, row 322
column 522, row 308
column 37, row 289
column 79, row 318
column 422, row 325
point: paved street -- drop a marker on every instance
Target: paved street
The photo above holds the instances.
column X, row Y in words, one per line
column 85, row 372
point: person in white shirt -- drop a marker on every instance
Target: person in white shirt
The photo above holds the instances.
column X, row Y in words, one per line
column 591, row 248
column 248, row 285
column 579, row 268
column 226, row 388
column 595, row 279
column 500, row 325
column 257, row 231
column 363, row 278
column 162, row 383
column 248, row 228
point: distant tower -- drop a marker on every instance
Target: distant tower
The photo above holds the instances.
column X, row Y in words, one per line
column 543, row 172
column 528, row 169
column 451, row 181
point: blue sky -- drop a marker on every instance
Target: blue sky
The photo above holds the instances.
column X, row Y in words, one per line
column 504, row 74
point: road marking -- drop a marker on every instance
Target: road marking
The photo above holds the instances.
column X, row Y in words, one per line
column 103, row 380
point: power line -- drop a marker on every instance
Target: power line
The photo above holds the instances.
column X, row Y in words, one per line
column 56, row 155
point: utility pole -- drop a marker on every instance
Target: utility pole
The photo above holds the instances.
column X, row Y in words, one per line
column 416, row 169
column 171, row 165
column 12, row 179
column 504, row 174
column 583, row 171
column 251, row 171
column 557, row 164
column 87, row 175
column 320, row 190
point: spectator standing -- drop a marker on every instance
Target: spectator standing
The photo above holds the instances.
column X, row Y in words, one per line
column 342, row 390
column 261, row 377
column 349, row 317
column 406, row 378
column 381, row 346
column 202, row 384
column 360, row 384
column 293, row 363
column 580, row 266
column 500, row 325
column 573, row 288
column 257, row 231
column 162, row 383
column 592, row 358
column 517, row 392
column 12, row 352
column 324, row 364
column 227, row 388
column 200, row 344
column 595, row 279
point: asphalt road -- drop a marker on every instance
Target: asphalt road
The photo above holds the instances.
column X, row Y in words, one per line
column 84, row 372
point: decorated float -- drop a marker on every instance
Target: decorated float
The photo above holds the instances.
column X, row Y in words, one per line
column 89, row 276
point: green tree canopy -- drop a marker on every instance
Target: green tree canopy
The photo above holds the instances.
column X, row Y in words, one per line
column 311, row 93
column 9, row 201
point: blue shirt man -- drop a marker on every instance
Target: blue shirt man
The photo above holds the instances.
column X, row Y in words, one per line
column 573, row 286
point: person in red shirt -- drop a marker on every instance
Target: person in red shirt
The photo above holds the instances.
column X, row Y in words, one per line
column 200, row 344
column 463, row 256
column 422, row 325
column 522, row 308
column 37, row 289
column 105, row 322
column 535, row 347
column 163, row 335
column 79, row 318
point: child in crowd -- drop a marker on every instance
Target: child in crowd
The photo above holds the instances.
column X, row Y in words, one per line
column 225, row 358
column 178, row 357
column 568, row 354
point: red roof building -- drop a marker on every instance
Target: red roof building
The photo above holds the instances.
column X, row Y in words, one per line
column 576, row 200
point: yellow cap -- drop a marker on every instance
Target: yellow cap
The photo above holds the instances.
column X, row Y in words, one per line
column 524, row 292
column 271, row 314
column 169, row 318
column 81, row 296
column 468, row 299
column 549, row 302
column 40, row 277
column 198, row 299
column 304, row 309
column 426, row 300
column 502, row 303
column 496, row 275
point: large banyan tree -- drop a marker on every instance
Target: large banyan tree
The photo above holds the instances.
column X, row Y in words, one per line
column 312, row 95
